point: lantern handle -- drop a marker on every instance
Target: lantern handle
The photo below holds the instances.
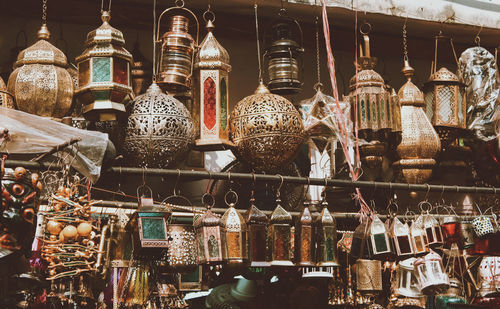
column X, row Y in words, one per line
column 291, row 21
column 204, row 202
column 144, row 186
column 226, row 196
column 182, row 8
column 425, row 203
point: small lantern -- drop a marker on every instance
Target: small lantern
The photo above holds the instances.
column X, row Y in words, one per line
column 489, row 272
column 211, row 70
column 418, row 236
column 212, row 246
column 482, row 226
column 359, row 239
column 368, row 275
column 402, row 239
column 407, row 282
column 177, row 52
column 284, row 63
column 236, row 235
column 452, row 297
column 326, row 238
column 281, row 237
column 182, row 254
column 6, row 98
column 452, row 231
column 433, row 231
column 430, row 274
column 305, row 238
column 256, row 222
column 379, row 238
column 104, row 73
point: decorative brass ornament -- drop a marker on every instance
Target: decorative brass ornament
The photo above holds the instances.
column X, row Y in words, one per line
column 211, row 74
column 104, row 73
column 159, row 130
column 41, row 83
column 6, row 98
column 420, row 143
column 182, row 253
column 305, row 238
column 210, row 236
column 326, row 238
column 281, row 237
column 235, row 234
column 368, row 275
column 266, row 129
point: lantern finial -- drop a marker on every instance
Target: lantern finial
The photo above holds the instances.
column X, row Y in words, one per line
column 261, row 89
column 210, row 26
column 105, row 17
column 407, row 70
column 43, row 33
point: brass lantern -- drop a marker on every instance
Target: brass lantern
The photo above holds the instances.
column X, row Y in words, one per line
column 283, row 55
column 41, row 83
column 280, row 235
column 182, row 253
column 266, row 129
column 418, row 236
column 430, row 273
column 401, row 237
column 368, row 276
column 6, row 98
column 378, row 238
column 419, row 141
column 212, row 246
column 104, row 73
column 159, row 130
column 326, row 238
column 256, row 222
column 235, row 234
column 406, row 279
column 211, row 70
column 177, row 51
column 305, row 238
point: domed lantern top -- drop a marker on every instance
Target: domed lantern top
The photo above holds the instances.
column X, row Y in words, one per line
column 211, row 54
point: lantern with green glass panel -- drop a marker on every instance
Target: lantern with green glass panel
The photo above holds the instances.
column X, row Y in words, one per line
column 104, row 73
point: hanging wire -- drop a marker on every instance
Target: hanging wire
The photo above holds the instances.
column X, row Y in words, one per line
column 154, row 41
column 258, row 42
column 102, row 6
column 44, row 12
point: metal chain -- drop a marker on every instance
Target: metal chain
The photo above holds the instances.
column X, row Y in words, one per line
column 318, row 72
column 44, row 12
column 405, row 50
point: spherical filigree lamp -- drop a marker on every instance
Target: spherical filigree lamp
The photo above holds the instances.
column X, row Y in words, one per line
column 266, row 129
column 159, row 130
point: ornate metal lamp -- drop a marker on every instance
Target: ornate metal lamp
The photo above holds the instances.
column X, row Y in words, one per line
column 368, row 276
column 281, row 236
column 430, row 274
column 401, row 237
column 305, row 238
column 40, row 82
column 212, row 246
column 182, row 253
column 211, row 74
column 6, row 98
column 104, row 67
column 326, row 238
column 256, row 222
column 235, row 233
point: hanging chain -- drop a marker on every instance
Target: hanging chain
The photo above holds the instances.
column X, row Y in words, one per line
column 318, row 71
column 44, row 12
column 405, row 49
column 153, row 78
column 258, row 42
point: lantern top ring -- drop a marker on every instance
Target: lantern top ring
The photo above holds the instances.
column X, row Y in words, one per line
column 208, row 15
column 425, row 206
column 392, row 207
column 179, row 3
column 318, row 86
column 205, row 202
column 226, row 197
column 365, row 28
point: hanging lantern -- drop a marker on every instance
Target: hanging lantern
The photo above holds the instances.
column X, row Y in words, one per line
column 326, row 238
column 104, row 73
column 266, row 129
column 430, row 274
column 182, row 253
column 177, row 51
column 402, row 238
column 359, row 239
column 305, row 238
column 159, row 130
column 420, row 142
column 418, row 236
column 407, row 282
column 451, row 229
column 141, row 71
column 256, row 222
column 212, row 246
column 379, row 238
column 368, row 275
column 482, row 226
column 6, row 98
column 211, row 70
column 489, row 272
column 235, row 235
column 41, row 83
column 283, row 55
column 281, row 236
column 452, row 296
column 432, row 231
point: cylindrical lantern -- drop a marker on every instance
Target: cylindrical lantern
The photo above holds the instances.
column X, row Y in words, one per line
column 6, row 98
column 489, row 272
column 451, row 228
column 305, row 238
column 368, row 275
column 211, row 70
column 212, row 246
column 326, row 238
column 402, row 238
column 104, row 73
column 452, row 297
column 407, row 282
column 433, row 231
column 281, row 237
column 266, row 129
column 159, row 130
column 177, row 52
column 236, row 236
column 419, row 141
column 40, row 82
column 283, row 55
column 182, row 252
column 379, row 238
column 418, row 236
column 256, row 222
column 430, row 273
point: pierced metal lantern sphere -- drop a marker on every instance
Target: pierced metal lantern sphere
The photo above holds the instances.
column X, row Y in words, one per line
column 266, row 129
column 159, row 130
column 6, row 98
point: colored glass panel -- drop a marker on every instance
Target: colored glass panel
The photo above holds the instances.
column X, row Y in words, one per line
column 380, row 243
column 83, row 73
column 223, row 104
column 120, row 71
column 209, row 100
column 363, row 111
column 101, row 69
column 153, row 228
column 101, row 95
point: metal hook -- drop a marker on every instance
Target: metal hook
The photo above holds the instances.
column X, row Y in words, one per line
column 477, row 38
column 428, row 190
column 281, row 184
column 177, row 181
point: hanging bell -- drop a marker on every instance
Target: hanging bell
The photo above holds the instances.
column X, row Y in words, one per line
column 433, row 231
column 430, row 273
column 326, row 238
column 212, row 246
column 280, row 235
column 235, row 234
column 256, row 222
column 451, row 228
column 177, row 52
column 418, row 236
column 283, row 55
column 378, row 238
column 305, row 238
column 401, row 237
column 368, row 275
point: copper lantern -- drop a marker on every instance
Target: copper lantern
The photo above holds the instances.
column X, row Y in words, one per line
column 235, row 234
column 256, row 222
column 281, row 237
column 40, row 82
column 211, row 71
column 177, row 51
column 104, row 73
column 305, row 238
column 326, row 238
column 283, row 55
column 212, row 246
column 430, row 273
column 378, row 238
column 402, row 239
column 6, row 98
column 419, row 141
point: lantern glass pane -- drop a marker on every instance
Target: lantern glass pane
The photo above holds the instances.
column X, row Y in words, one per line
column 374, row 111
column 153, row 228
column 446, row 103
column 429, row 103
column 366, row 110
column 257, row 242
column 234, row 241
column 213, row 246
column 101, row 69
column 101, row 95
column 461, row 107
column 430, row 235
column 419, row 246
column 281, row 245
column 83, row 73
column 330, row 242
column 209, row 103
column 120, row 71
column 223, row 104
column 380, row 242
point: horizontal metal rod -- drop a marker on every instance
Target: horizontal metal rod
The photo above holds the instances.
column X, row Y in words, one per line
column 198, row 175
